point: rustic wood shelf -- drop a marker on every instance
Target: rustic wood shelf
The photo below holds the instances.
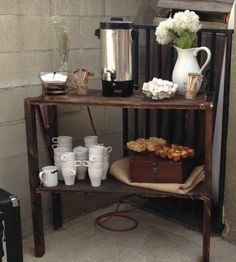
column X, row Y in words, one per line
column 137, row 100
column 46, row 110
column 114, row 187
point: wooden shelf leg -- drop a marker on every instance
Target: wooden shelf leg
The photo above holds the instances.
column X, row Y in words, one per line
column 56, row 210
column 33, row 167
column 208, row 183
column 206, row 230
column 47, row 116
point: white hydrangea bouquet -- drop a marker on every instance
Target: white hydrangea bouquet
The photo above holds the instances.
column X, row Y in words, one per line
column 180, row 30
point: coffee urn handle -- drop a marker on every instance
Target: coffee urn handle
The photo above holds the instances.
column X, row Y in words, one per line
column 134, row 34
column 97, row 33
column 112, row 75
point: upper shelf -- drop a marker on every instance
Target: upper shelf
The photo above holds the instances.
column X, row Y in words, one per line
column 137, row 100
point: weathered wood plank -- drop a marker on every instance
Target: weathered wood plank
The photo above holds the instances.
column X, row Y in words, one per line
column 137, row 100
column 115, row 187
column 205, row 24
column 200, row 5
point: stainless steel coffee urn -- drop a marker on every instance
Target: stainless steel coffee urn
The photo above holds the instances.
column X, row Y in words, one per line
column 116, row 37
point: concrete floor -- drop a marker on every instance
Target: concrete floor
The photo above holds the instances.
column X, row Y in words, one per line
column 155, row 239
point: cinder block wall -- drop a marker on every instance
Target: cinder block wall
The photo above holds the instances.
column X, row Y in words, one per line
column 28, row 46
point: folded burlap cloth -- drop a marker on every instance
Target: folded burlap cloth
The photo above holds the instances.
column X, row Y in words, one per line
column 120, row 170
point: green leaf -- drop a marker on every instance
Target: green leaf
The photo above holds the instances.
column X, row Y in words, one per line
column 185, row 40
column 172, row 34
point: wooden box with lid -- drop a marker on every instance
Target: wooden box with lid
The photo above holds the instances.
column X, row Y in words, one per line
column 148, row 168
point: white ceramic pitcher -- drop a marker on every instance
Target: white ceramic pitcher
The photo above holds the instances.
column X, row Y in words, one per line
column 187, row 63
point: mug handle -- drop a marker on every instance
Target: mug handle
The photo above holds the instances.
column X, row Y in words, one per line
column 85, row 163
column 78, row 163
column 63, row 158
column 73, row 172
column 208, row 51
column 55, row 140
column 92, row 159
column 41, row 177
column 108, row 149
column 54, row 146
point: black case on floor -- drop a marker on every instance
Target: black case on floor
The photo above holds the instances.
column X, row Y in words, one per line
column 10, row 215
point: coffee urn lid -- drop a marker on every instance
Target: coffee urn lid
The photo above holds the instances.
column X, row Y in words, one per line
column 116, row 23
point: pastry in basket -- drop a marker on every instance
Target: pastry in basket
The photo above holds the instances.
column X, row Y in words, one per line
column 136, row 146
column 158, row 141
column 142, row 144
column 174, row 152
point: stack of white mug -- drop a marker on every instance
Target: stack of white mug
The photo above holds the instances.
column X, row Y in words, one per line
column 98, row 162
column 62, row 141
column 61, row 145
column 81, row 154
column 94, row 158
column 68, row 167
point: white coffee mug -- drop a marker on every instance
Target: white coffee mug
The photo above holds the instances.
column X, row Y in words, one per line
column 80, row 152
column 96, row 150
column 68, row 146
column 105, row 169
column 60, row 150
column 62, row 139
column 96, row 158
column 81, row 172
column 71, row 164
column 69, row 156
column 92, row 165
column 69, row 176
column 95, row 176
column 49, row 176
column 90, row 141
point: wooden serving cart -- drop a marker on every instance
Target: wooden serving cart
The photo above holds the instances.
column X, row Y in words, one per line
column 205, row 103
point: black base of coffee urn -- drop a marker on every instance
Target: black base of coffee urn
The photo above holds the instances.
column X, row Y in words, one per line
column 122, row 88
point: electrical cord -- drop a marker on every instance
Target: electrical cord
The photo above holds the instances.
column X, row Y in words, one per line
column 91, row 121
column 102, row 219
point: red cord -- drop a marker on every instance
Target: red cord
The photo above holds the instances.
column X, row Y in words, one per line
column 117, row 213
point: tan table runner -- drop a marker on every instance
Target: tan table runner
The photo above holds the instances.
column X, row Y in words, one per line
column 120, row 170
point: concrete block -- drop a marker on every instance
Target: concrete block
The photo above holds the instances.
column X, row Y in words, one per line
column 80, row 8
column 115, row 141
column 32, row 91
column 33, row 64
column 12, row 140
column 25, row 7
column 23, row 68
column 122, row 7
column 10, row 30
column 10, row 7
column 89, row 59
column 78, row 124
column 11, row 106
column 87, row 28
column 113, row 117
column 14, row 173
column 45, row 37
column 35, row 7
column 37, row 32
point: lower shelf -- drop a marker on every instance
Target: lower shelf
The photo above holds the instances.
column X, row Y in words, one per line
column 113, row 186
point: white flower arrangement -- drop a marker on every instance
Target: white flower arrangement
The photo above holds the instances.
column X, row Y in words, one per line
column 180, row 30
column 63, row 42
